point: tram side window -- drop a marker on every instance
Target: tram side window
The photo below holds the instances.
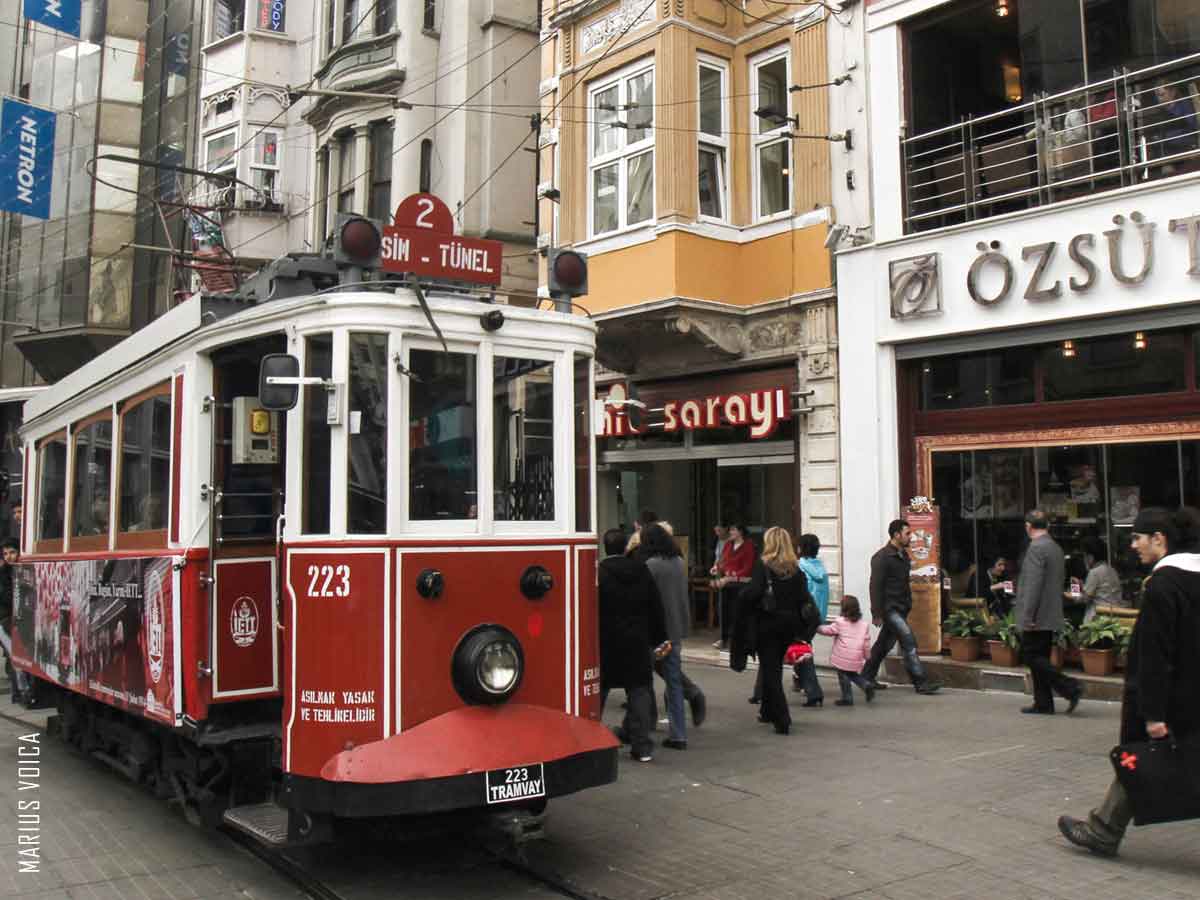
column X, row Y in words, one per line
column 366, row 486
column 523, row 439
column 583, row 442
column 443, row 452
column 145, row 465
column 93, row 479
column 52, row 488
column 318, row 363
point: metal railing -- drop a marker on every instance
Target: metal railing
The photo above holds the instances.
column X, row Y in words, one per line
column 1131, row 128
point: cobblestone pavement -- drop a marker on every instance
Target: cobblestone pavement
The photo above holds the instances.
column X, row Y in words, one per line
column 912, row 797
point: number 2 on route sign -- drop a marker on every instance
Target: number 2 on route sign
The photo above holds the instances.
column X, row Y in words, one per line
column 422, row 242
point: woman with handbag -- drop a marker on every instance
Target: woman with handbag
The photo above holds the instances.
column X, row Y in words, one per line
column 1162, row 677
column 783, row 610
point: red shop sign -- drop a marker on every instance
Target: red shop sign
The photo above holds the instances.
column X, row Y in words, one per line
column 761, row 410
column 422, row 242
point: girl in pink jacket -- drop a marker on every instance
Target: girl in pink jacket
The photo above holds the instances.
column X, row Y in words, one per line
column 851, row 635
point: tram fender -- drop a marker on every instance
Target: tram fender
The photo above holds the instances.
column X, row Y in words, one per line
column 471, row 740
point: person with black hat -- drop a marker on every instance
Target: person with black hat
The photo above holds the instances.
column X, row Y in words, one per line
column 1161, row 697
column 1039, row 609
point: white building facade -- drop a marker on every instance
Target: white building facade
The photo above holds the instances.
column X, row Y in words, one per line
column 1023, row 330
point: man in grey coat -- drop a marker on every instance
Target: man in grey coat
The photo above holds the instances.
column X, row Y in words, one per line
column 1040, row 613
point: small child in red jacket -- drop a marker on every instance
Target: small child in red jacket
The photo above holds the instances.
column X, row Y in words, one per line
column 851, row 635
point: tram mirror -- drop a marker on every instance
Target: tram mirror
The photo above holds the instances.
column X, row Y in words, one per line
column 272, row 394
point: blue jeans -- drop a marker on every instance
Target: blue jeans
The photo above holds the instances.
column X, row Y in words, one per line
column 806, row 677
column 895, row 629
column 672, row 672
column 845, row 679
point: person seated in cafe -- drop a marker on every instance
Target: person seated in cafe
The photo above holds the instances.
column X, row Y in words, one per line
column 998, row 592
column 1170, row 122
column 1102, row 587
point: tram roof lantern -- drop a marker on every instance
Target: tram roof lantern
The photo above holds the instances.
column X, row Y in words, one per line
column 567, row 273
column 359, row 241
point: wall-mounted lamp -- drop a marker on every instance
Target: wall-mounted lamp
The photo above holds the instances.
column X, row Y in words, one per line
column 1068, row 349
column 1139, row 341
column 1001, row 8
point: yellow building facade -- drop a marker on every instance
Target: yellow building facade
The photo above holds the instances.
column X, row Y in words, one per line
column 685, row 147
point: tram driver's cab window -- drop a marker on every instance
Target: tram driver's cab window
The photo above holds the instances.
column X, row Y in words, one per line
column 52, row 489
column 366, row 497
column 93, row 480
column 523, row 438
column 443, row 452
column 318, row 363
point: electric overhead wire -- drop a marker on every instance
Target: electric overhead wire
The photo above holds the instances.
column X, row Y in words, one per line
column 434, row 71
column 330, row 195
column 554, row 107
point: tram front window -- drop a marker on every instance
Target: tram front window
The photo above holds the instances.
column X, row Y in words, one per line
column 443, row 451
column 366, row 498
column 523, row 429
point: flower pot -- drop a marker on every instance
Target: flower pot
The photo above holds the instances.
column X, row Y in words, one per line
column 965, row 649
column 945, row 642
column 1002, row 654
column 1056, row 657
column 1072, row 655
column 1098, row 662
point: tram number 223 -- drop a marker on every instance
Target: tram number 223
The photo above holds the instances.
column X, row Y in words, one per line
column 329, row 581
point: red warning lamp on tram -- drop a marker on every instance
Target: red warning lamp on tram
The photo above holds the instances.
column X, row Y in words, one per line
column 359, row 242
column 567, row 273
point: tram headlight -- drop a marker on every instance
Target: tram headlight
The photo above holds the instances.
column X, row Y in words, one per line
column 487, row 665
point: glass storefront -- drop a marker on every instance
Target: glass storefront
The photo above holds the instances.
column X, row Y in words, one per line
column 1088, row 491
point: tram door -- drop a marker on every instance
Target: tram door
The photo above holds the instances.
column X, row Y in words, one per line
column 245, row 506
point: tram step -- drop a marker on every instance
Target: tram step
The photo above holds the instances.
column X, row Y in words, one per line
column 265, row 822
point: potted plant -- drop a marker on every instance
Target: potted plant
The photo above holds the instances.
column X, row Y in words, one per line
column 1004, row 641
column 1123, row 646
column 1098, row 640
column 1064, row 640
column 963, row 627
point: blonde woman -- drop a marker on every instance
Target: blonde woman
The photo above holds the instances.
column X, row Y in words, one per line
column 777, row 605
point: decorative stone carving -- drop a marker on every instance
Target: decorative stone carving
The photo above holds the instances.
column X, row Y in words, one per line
column 279, row 96
column 630, row 15
column 776, row 334
column 208, row 103
column 818, row 364
column 716, row 334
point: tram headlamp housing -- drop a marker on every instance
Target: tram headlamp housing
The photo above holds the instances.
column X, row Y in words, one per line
column 487, row 665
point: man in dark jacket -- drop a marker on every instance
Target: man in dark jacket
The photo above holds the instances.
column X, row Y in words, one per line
column 1162, row 675
column 631, row 625
column 891, row 602
column 1039, row 609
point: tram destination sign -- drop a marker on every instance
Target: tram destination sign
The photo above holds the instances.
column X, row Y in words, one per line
column 422, row 242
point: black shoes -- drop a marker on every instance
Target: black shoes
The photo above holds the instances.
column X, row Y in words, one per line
column 1081, row 834
column 784, row 728
column 879, row 685
column 843, row 702
column 925, row 687
column 699, row 709
column 1036, row 711
column 1073, row 700
column 674, row 744
column 815, row 702
column 869, row 690
column 755, row 699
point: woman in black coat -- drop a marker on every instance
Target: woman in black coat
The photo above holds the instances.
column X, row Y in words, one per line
column 1162, row 677
column 775, row 605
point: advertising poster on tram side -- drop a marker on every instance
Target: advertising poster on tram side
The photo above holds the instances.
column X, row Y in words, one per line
column 100, row 627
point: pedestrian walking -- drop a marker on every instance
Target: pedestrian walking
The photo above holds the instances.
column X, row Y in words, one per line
column 669, row 571
column 734, row 571
column 891, row 602
column 777, row 605
column 804, row 673
column 631, row 626
column 1039, row 608
column 18, row 680
column 1161, row 697
column 851, row 635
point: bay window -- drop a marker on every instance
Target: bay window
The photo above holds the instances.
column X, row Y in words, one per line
column 713, row 143
column 621, row 153
column 769, row 101
column 264, row 168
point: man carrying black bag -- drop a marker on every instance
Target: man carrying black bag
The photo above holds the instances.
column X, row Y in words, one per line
column 1162, row 678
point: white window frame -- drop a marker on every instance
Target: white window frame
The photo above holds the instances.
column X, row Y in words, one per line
column 624, row 151
column 761, row 139
column 277, row 168
column 718, row 143
column 231, row 170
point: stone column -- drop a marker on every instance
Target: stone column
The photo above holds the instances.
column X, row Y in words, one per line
column 362, row 167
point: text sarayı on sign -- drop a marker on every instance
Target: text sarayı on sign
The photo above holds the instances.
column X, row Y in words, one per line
column 761, row 410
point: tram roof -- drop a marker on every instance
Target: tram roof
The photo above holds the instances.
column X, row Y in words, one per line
column 186, row 328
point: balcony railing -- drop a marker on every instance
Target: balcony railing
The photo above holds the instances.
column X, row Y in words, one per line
column 1132, row 128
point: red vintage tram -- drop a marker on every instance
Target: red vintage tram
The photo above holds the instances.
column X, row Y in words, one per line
column 380, row 602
